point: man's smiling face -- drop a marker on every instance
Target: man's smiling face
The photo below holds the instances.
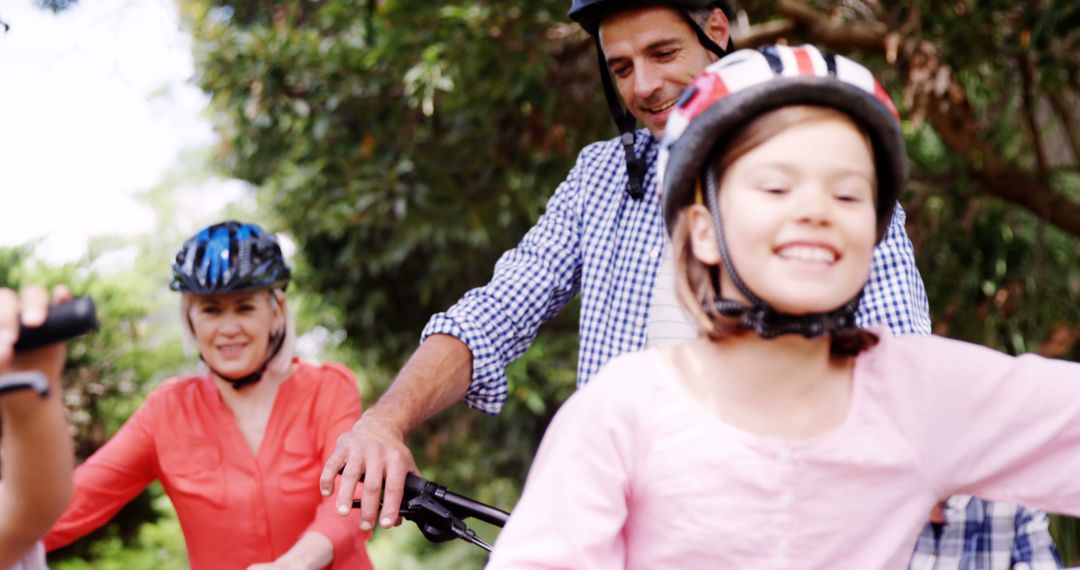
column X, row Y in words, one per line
column 653, row 54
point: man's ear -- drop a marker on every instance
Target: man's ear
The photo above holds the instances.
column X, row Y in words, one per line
column 702, row 235
column 718, row 28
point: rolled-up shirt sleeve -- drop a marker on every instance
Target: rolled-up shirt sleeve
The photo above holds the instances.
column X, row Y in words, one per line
column 530, row 285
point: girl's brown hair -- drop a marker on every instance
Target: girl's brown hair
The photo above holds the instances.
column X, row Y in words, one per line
column 697, row 284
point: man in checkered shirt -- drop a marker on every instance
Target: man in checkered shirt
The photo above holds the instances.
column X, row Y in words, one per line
column 601, row 236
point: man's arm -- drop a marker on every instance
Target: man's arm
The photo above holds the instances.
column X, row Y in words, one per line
column 36, row 449
column 435, row 377
column 466, row 351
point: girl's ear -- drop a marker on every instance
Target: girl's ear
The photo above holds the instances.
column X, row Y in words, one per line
column 702, row 235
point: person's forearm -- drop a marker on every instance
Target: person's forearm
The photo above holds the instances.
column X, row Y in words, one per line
column 435, row 377
column 37, row 463
column 313, row 550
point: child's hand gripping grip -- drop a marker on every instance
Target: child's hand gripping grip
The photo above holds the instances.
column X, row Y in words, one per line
column 65, row 321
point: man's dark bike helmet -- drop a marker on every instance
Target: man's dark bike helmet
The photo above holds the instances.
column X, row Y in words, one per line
column 588, row 14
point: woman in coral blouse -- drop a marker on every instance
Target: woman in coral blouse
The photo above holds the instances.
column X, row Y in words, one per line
column 238, row 448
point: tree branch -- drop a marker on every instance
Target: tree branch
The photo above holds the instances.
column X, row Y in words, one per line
column 763, row 34
column 934, row 93
column 1027, row 82
column 1068, row 122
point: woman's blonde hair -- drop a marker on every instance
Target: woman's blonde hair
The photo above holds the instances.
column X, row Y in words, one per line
column 281, row 364
column 697, row 285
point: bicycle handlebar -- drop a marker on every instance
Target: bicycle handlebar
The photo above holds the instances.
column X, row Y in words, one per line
column 64, row 321
column 461, row 505
column 438, row 512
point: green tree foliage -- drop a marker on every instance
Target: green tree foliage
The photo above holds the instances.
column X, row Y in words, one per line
column 403, row 148
column 405, row 144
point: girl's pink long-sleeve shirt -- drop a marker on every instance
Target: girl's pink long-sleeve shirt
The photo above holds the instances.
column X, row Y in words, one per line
column 236, row 508
column 632, row 473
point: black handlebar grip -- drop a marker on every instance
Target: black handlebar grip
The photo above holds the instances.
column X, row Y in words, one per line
column 65, row 321
column 414, row 485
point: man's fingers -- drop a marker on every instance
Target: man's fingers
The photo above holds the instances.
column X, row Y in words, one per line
column 34, row 304
column 330, row 471
column 394, row 489
column 369, row 497
column 354, row 468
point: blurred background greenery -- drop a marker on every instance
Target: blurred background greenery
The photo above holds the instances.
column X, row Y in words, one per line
column 404, row 144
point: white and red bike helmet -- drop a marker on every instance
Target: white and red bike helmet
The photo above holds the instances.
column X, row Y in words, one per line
column 744, row 85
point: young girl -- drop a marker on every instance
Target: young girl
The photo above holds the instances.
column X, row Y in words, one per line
column 784, row 437
column 239, row 447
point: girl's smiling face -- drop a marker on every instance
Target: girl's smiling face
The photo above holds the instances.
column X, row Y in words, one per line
column 799, row 217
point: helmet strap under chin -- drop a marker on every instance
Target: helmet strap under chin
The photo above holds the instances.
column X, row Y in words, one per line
column 758, row 316
column 626, row 122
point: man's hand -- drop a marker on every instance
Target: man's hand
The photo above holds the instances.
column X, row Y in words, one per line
column 374, row 449
column 436, row 376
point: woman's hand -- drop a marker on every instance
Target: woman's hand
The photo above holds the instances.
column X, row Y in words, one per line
column 276, row 566
column 313, row 551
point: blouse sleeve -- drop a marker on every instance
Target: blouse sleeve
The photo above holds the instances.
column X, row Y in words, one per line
column 999, row 427
column 108, row 479
column 338, row 409
column 574, row 505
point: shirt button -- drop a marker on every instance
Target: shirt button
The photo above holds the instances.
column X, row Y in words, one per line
column 640, row 322
column 655, row 252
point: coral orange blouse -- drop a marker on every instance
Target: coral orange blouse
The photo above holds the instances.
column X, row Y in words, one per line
column 235, row 508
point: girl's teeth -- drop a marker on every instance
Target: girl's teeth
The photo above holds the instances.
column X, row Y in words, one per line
column 808, row 254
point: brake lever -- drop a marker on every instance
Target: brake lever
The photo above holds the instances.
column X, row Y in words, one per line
column 435, row 520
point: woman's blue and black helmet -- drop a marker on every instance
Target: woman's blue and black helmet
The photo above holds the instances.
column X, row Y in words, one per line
column 229, row 257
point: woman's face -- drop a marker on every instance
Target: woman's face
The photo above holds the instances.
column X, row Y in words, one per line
column 233, row 331
column 799, row 217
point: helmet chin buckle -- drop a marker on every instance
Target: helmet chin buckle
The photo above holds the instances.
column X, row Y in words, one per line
column 767, row 322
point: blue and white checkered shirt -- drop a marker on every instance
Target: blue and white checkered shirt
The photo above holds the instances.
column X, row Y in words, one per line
column 597, row 240
column 980, row 535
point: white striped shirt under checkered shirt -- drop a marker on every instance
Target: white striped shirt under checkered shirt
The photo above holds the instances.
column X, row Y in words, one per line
column 596, row 240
